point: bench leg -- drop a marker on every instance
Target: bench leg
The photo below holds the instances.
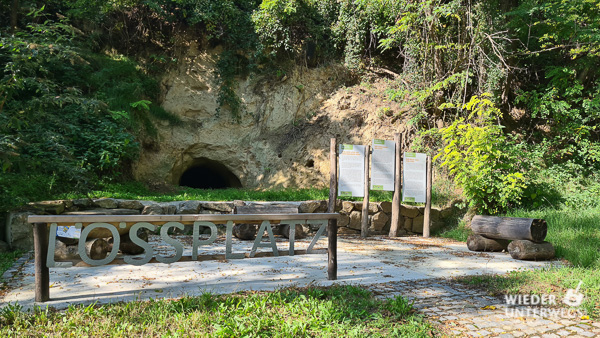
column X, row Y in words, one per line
column 332, row 249
column 42, row 273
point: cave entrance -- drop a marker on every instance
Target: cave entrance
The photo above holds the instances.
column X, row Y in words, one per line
column 209, row 174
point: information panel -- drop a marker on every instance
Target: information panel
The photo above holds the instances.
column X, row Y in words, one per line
column 352, row 170
column 382, row 165
column 415, row 178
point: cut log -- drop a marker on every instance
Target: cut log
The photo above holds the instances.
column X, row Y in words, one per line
column 127, row 247
column 528, row 250
column 510, row 228
column 63, row 251
column 245, row 231
column 96, row 248
column 285, row 231
column 480, row 243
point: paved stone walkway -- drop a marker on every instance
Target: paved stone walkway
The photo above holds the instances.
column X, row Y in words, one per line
column 462, row 311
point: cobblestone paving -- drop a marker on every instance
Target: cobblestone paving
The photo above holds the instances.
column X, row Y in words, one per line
column 462, row 311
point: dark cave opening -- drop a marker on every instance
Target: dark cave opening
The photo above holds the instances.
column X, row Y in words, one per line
column 209, row 174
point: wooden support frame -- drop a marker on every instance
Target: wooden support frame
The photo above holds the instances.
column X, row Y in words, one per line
column 364, row 222
column 397, row 187
column 427, row 213
column 332, row 225
column 41, row 235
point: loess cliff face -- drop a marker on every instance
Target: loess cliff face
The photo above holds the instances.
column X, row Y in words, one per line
column 281, row 140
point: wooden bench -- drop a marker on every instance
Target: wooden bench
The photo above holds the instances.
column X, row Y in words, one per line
column 45, row 227
column 246, row 231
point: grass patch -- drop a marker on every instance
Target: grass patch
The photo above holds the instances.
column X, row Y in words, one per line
column 347, row 311
column 576, row 236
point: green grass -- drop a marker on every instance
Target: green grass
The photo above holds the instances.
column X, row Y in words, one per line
column 575, row 235
column 336, row 311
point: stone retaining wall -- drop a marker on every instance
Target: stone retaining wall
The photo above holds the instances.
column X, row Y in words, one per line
column 19, row 233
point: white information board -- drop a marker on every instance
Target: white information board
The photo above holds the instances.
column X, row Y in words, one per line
column 352, row 170
column 382, row 165
column 415, row 178
column 68, row 232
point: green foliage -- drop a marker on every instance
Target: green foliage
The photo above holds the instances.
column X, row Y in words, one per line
column 479, row 156
column 347, row 311
column 67, row 115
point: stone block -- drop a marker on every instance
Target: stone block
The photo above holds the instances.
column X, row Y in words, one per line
column 83, row 203
column 386, row 207
column 347, row 207
column 355, row 219
column 373, row 207
column 19, row 232
column 48, row 207
column 169, row 208
column 104, row 212
column 131, row 204
column 152, row 209
column 188, row 207
column 409, row 211
column 226, row 207
column 407, row 224
column 417, row 224
column 344, row 220
column 106, row 203
column 308, row 207
column 379, row 221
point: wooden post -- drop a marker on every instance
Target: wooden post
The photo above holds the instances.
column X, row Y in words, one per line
column 427, row 218
column 332, row 249
column 42, row 273
column 332, row 225
column 397, row 188
column 364, row 224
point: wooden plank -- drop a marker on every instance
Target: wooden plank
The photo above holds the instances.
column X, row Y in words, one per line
column 427, row 214
column 42, row 273
column 512, row 228
column 332, row 224
column 364, row 223
column 397, row 188
column 189, row 218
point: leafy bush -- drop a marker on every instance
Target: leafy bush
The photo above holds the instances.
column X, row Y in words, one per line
column 67, row 115
column 481, row 159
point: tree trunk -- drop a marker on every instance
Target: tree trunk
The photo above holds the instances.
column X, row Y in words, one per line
column 528, row 250
column 510, row 228
column 96, row 248
column 480, row 243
